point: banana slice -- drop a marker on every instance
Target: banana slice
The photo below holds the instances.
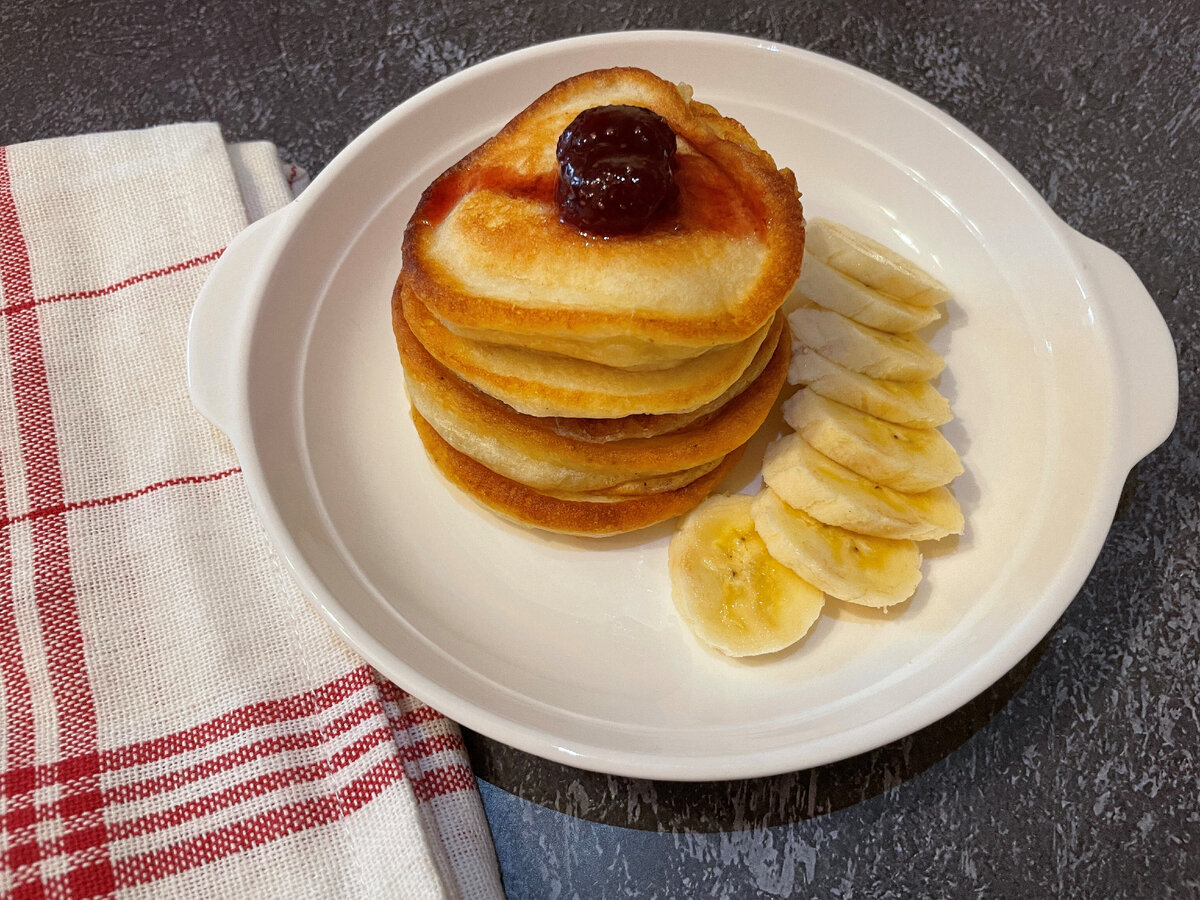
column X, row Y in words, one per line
column 729, row 590
column 916, row 404
column 907, row 459
column 831, row 493
column 870, row 571
column 880, row 354
column 828, row 287
column 872, row 264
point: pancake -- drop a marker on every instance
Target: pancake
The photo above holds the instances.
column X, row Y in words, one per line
column 488, row 254
column 620, row 352
column 590, row 383
column 543, row 472
column 580, row 514
column 544, row 384
column 638, row 487
column 531, row 449
column 599, row 431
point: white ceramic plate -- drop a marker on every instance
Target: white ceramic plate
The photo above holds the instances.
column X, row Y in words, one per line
column 1060, row 370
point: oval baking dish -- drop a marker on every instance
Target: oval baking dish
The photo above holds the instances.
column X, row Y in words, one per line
column 1059, row 368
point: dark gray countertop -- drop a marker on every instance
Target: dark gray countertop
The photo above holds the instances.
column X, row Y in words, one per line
column 1076, row 775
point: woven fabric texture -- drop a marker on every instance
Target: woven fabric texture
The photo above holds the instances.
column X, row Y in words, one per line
column 177, row 720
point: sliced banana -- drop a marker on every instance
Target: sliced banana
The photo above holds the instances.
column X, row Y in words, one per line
column 880, row 354
column 914, row 403
column 831, row 493
column 828, row 287
column 870, row 571
column 871, row 263
column 907, row 459
column 733, row 595
column 862, row 478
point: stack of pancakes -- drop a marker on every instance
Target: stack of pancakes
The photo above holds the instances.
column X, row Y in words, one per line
column 588, row 384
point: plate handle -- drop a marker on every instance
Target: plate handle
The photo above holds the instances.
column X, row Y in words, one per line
column 215, row 345
column 1146, row 352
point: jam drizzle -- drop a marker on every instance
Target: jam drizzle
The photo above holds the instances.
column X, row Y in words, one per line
column 709, row 200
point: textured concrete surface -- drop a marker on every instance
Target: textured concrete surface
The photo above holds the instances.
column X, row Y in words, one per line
column 1077, row 774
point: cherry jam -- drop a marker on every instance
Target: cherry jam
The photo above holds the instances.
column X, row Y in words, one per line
column 616, row 169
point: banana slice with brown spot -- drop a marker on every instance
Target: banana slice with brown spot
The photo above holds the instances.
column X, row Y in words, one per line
column 831, row 493
column 733, row 595
column 904, row 458
column 857, row 568
column 917, row 404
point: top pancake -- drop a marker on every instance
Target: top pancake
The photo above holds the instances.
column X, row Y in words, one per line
column 488, row 254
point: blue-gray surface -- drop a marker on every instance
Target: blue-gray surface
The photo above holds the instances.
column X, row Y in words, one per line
column 1076, row 775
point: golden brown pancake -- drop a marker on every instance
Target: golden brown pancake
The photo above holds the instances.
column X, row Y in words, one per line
column 591, row 384
column 601, row 430
column 596, row 516
column 538, row 470
column 487, row 251
column 619, row 352
column 545, row 384
column 638, row 487
column 533, row 451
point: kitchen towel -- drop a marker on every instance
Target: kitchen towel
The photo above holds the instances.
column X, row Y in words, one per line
column 176, row 719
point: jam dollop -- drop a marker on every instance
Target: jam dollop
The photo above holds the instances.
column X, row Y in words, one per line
column 616, row 169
